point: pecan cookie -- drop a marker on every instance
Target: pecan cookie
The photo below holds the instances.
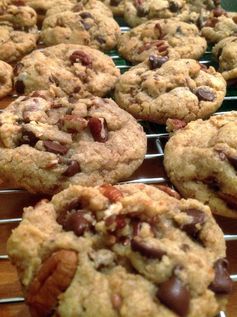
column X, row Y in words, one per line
column 226, row 53
column 139, row 11
column 218, row 28
column 6, row 79
column 169, row 37
column 75, row 70
column 48, row 143
column 116, row 6
column 77, row 6
column 15, row 44
column 200, row 160
column 85, row 27
column 128, row 250
column 20, row 17
column 158, row 89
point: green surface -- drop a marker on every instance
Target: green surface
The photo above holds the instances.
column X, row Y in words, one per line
column 230, row 5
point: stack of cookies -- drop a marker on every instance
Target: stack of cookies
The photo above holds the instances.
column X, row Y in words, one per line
column 95, row 247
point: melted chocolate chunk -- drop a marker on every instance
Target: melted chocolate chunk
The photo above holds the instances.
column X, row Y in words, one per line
column 86, row 15
column 212, row 183
column 77, row 223
column 174, row 7
column 86, row 25
column 100, row 39
column 115, row 3
column 233, row 160
column 54, row 147
column 230, row 200
column 157, row 61
column 198, row 218
column 28, row 137
column 72, row 169
column 146, row 250
column 20, row 87
column 98, row 128
column 175, row 296
column 205, row 94
column 18, row 67
column 222, row 283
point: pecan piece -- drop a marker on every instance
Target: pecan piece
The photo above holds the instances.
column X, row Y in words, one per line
column 83, row 58
column 98, row 128
column 53, row 278
column 111, row 192
column 73, row 123
column 171, row 192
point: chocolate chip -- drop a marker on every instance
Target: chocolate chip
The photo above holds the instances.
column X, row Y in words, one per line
column 18, row 3
column 86, row 25
column 222, row 283
column 197, row 218
column 18, row 67
column 146, row 250
column 217, row 12
column 141, row 12
column 77, row 90
column 211, row 22
column 54, row 147
column 74, row 204
column 80, row 56
column 20, row 87
column 98, row 128
column 174, row 7
column 137, row 225
column 175, row 295
column 100, row 39
column 233, row 160
column 115, row 3
column 77, row 223
column 212, row 183
column 86, row 15
column 28, row 137
column 72, row 169
column 205, row 94
column 157, row 61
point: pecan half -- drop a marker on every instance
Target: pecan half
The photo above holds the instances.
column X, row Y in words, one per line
column 111, row 192
column 53, row 278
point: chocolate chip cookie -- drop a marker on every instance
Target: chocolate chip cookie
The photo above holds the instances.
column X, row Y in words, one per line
column 200, row 160
column 20, row 17
column 75, row 70
column 78, row 6
column 116, row 6
column 169, row 37
column 48, row 142
column 85, row 27
column 158, row 89
column 226, row 53
column 6, row 79
column 15, row 44
column 128, row 250
column 139, row 11
column 218, row 28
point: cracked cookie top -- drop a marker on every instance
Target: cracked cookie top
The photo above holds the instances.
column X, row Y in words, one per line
column 75, row 70
column 128, row 250
column 84, row 27
column 48, row 142
column 169, row 37
column 200, row 160
column 158, row 89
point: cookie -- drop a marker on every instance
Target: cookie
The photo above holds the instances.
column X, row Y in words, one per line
column 218, row 28
column 6, row 79
column 200, row 160
column 20, row 17
column 50, row 142
column 75, row 70
column 15, row 44
column 139, row 11
column 169, row 37
column 128, row 250
column 116, row 6
column 74, row 6
column 85, row 27
column 226, row 53
column 158, row 89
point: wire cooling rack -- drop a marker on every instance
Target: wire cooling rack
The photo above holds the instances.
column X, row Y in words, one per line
column 155, row 135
